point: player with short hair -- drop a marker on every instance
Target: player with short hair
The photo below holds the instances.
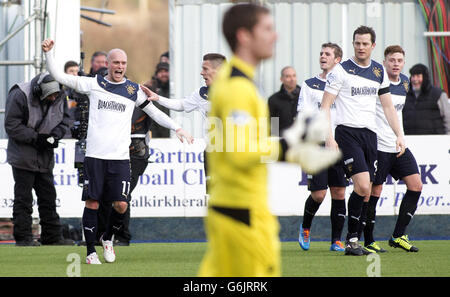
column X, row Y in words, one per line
column 107, row 162
column 355, row 86
column 198, row 100
column 402, row 167
column 334, row 177
column 242, row 233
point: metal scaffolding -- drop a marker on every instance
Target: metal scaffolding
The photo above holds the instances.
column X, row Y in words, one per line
column 38, row 19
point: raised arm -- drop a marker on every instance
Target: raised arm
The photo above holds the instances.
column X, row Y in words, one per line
column 78, row 83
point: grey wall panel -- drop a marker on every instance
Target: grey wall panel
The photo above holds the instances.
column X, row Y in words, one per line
column 302, row 27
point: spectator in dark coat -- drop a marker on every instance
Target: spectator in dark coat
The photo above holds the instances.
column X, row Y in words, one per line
column 283, row 104
column 426, row 110
column 160, row 85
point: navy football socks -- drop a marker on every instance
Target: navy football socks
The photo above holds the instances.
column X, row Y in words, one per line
column 89, row 222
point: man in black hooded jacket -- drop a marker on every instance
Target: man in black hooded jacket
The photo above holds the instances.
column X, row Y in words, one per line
column 36, row 118
column 426, row 109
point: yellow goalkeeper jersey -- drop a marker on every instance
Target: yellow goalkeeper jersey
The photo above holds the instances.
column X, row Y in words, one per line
column 239, row 145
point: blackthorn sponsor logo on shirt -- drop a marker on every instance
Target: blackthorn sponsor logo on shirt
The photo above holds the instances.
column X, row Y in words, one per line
column 111, row 105
column 365, row 91
column 399, row 107
column 319, row 104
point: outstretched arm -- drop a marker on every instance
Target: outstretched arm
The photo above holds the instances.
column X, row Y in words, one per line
column 173, row 104
column 161, row 118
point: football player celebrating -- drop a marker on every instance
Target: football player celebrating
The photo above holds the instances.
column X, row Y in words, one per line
column 107, row 164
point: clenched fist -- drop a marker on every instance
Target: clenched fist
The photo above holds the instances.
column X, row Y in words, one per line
column 47, row 44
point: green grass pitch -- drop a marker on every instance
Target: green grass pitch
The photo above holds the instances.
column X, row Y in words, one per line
column 182, row 260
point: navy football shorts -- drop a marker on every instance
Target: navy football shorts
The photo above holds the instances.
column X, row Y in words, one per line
column 359, row 149
column 106, row 180
column 331, row 177
column 388, row 163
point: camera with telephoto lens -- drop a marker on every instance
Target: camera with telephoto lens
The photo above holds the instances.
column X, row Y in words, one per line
column 80, row 125
column 79, row 131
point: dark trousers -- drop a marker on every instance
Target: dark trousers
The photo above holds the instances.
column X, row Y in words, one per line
column 42, row 183
column 138, row 166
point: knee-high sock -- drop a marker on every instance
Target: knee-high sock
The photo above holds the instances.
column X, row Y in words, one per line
column 407, row 209
column 362, row 219
column 115, row 224
column 370, row 220
column 337, row 216
column 355, row 203
column 311, row 208
column 89, row 221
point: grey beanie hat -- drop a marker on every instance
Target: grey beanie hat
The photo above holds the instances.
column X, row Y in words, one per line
column 49, row 88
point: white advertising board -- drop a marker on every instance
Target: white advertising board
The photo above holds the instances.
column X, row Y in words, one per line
column 173, row 184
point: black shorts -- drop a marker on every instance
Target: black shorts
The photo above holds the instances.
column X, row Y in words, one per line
column 359, row 149
column 331, row 177
column 388, row 163
column 106, row 180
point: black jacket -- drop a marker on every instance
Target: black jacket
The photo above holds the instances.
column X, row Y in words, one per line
column 161, row 89
column 22, row 151
column 283, row 105
column 421, row 115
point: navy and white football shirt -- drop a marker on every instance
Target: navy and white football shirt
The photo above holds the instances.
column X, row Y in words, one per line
column 111, row 108
column 386, row 136
column 311, row 94
column 357, row 89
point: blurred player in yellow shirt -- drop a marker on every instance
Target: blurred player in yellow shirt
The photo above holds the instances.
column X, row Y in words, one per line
column 242, row 233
